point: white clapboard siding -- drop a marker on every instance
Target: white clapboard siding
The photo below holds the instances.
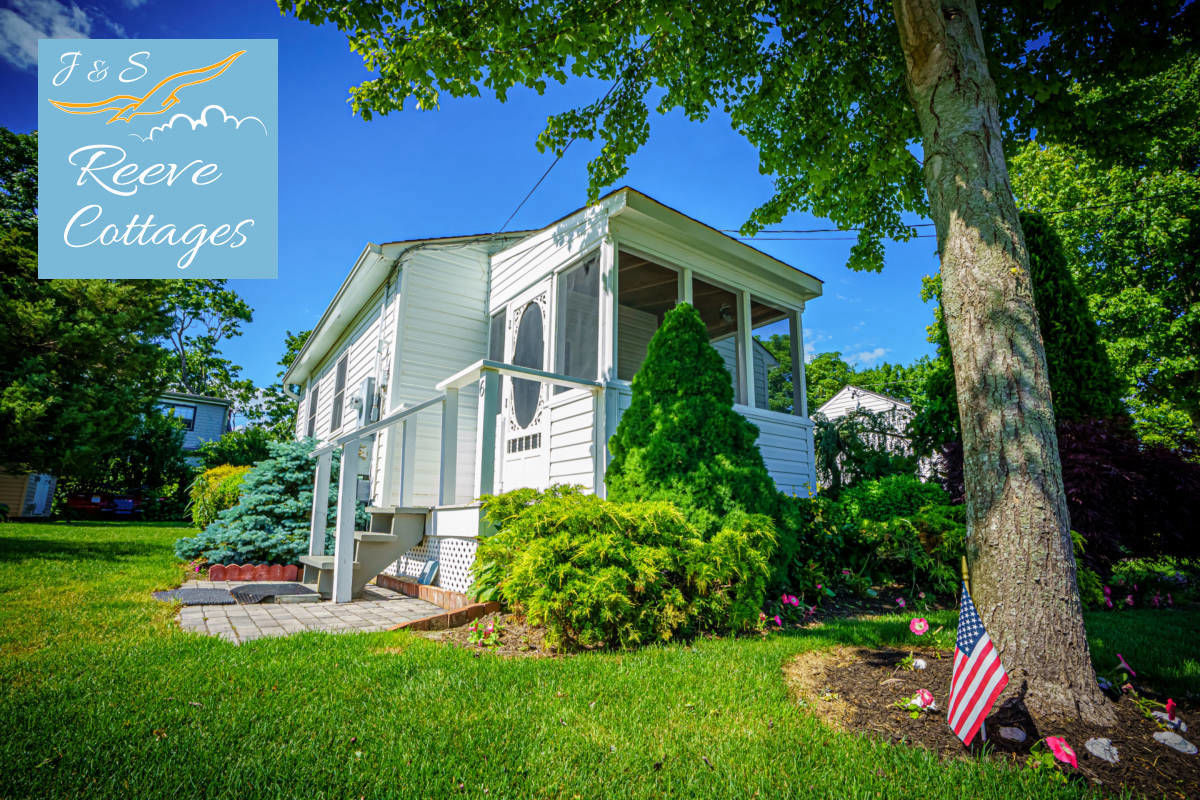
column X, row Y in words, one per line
column 571, row 440
column 442, row 327
column 635, row 329
column 530, row 260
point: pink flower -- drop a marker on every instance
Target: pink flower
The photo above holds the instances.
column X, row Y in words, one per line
column 1170, row 709
column 812, row 610
column 845, row 572
column 1108, row 602
column 1107, row 592
column 900, row 602
column 923, row 698
column 762, row 616
column 818, row 587
column 920, row 595
column 1128, row 599
column 1062, row 751
column 1125, row 665
column 783, row 598
column 1156, row 600
column 919, row 626
column 778, row 621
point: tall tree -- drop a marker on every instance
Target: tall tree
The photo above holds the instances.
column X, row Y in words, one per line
column 277, row 406
column 77, row 357
column 204, row 313
column 836, row 102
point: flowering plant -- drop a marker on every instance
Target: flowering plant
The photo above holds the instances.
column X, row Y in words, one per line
column 485, row 635
column 1056, row 750
column 919, row 626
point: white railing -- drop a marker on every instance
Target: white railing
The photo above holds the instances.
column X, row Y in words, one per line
column 487, row 375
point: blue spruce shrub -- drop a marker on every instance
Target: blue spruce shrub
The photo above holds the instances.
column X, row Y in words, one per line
column 270, row 522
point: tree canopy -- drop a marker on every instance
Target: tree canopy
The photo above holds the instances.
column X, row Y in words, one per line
column 818, row 88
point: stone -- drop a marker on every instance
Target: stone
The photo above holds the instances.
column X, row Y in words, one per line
column 216, row 572
column 1012, row 734
column 275, row 572
column 1102, row 749
column 920, row 663
column 290, row 572
column 1176, row 724
column 1175, row 742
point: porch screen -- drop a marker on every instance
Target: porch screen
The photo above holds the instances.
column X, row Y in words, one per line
column 577, row 337
column 770, row 329
column 719, row 309
column 646, row 291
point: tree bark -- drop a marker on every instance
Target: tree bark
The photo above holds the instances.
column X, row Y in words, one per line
column 1018, row 529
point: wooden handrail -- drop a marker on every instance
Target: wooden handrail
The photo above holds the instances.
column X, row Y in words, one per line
column 469, row 375
column 391, row 419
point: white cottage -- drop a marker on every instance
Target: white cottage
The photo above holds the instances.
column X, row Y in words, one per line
column 450, row 368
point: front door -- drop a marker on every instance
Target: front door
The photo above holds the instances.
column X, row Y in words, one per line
column 525, row 420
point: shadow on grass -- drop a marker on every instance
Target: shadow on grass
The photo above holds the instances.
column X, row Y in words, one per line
column 30, row 548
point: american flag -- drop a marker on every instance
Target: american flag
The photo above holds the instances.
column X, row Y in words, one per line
column 979, row 677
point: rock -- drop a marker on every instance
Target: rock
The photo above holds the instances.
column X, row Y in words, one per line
column 1012, row 734
column 1175, row 742
column 1102, row 749
column 920, row 663
column 1176, row 724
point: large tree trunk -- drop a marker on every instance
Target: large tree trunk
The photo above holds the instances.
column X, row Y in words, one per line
column 1018, row 529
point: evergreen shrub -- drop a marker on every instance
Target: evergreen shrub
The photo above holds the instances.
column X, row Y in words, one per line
column 213, row 491
column 270, row 522
column 599, row 573
column 681, row 441
column 240, row 448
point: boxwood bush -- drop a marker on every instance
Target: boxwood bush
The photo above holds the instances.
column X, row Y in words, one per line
column 599, row 573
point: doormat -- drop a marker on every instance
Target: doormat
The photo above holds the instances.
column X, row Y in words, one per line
column 197, row 597
column 260, row 592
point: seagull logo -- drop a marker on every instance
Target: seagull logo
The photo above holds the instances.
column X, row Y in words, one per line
column 163, row 96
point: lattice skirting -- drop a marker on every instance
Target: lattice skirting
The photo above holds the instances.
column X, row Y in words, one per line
column 454, row 554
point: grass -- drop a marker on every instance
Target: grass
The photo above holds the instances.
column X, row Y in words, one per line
column 102, row 695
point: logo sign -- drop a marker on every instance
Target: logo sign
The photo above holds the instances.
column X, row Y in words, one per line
column 157, row 158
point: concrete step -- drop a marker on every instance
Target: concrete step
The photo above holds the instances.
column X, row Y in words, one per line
column 320, row 562
column 377, row 538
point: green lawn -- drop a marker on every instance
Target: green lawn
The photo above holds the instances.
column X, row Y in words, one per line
column 101, row 695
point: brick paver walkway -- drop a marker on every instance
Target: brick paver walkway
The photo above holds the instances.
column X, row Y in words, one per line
column 377, row 610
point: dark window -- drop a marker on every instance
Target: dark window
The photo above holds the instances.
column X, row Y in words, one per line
column 339, row 391
column 528, row 351
column 312, row 411
column 185, row 413
column 578, row 336
column 496, row 337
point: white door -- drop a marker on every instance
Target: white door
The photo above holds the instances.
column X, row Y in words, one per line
column 524, row 418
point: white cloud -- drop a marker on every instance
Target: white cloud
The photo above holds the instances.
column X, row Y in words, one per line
column 812, row 338
column 202, row 122
column 29, row 20
column 867, row 357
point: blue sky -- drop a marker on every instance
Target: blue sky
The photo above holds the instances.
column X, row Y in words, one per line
column 460, row 169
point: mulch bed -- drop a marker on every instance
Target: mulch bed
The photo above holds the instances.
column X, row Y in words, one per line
column 855, row 689
column 517, row 639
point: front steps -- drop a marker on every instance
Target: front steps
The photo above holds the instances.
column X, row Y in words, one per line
column 393, row 531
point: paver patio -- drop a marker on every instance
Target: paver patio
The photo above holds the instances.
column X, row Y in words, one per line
column 377, row 610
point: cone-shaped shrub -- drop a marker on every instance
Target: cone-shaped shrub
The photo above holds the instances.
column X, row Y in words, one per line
column 680, row 440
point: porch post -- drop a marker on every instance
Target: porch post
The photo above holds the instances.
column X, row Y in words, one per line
column 746, row 347
column 799, row 385
column 485, row 451
column 685, row 285
column 343, row 552
column 408, row 459
column 608, row 310
column 447, row 491
column 320, row 512
column 599, row 441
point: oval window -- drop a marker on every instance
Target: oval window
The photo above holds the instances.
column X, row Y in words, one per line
column 528, row 351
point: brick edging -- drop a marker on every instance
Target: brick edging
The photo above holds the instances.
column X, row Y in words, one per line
column 442, row 598
column 448, row 619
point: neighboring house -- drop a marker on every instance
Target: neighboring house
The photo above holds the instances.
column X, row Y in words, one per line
column 27, row 494
column 455, row 367
column 204, row 418
column 895, row 413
